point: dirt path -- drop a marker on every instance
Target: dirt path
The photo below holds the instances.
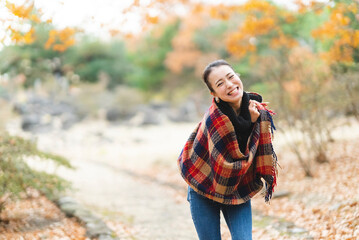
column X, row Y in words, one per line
column 129, row 175
column 147, row 207
column 107, row 179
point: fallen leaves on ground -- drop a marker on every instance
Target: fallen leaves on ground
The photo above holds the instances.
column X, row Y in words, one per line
column 323, row 207
column 38, row 218
column 327, row 205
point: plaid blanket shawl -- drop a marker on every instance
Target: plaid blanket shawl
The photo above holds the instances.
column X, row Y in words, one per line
column 212, row 164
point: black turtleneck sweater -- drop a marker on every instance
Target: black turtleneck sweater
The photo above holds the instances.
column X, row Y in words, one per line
column 242, row 123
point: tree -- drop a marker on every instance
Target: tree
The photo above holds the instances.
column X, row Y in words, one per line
column 21, row 27
column 35, row 47
column 339, row 35
column 91, row 57
column 148, row 60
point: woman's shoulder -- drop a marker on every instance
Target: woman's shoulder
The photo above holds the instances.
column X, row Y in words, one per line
column 255, row 96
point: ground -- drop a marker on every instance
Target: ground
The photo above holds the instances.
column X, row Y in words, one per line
column 128, row 175
column 36, row 217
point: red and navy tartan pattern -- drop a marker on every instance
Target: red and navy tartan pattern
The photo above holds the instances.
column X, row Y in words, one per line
column 213, row 165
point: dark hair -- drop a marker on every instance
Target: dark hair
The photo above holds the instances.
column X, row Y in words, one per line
column 209, row 68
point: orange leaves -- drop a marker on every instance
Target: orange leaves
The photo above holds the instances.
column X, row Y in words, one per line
column 24, row 12
column 220, row 11
column 338, row 29
column 283, row 41
column 22, row 38
column 21, row 11
column 259, row 6
column 185, row 52
column 35, row 18
column 262, row 21
column 239, row 45
column 29, row 37
column 313, row 5
column 198, row 8
column 60, row 40
column 258, row 26
column 151, row 19
column 28, row 17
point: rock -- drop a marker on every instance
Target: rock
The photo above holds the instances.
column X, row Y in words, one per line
column 185, row 113
column 145, row 116
column 95, row 227
column 69, row 119
column 113, row 115
column 69, row 208
column 29, row 121
column 297, row 230
column 64, row 200
column 85, row 215
column 281, row 194
column 335, row 207
column 20, row 108
column 41, row 114
column 107, row 237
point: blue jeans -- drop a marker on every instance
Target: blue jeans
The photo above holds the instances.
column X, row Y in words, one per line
column 206, row 217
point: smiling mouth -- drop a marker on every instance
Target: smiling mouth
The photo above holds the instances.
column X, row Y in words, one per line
column 235, row 89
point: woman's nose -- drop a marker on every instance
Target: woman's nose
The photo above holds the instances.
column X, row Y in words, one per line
column 229, row 83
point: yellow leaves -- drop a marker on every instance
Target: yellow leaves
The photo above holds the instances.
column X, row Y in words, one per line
column 283, row 41
column 198, row 8
column 262, row 20
column 24, row 12
column 136, row 3
column 22, row 38
column 254, row 26
column 151, row 19
column 356, row 39
column 338, row 53
column 289, row 18
column 20, row 11
column 185, row 52
column 220, row 11
column 261, row 6
column 60, row 40
column 239, row 45
column 29, row 37
column 35, row 18
column 338, row 29
column 313, row 5
column 339, row 18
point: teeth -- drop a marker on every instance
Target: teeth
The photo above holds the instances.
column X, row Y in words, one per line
column 230, row 93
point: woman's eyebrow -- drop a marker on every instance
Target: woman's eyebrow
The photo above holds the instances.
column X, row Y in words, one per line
column 218, row 81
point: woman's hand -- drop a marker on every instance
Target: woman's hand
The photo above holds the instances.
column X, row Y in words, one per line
column 253, row 110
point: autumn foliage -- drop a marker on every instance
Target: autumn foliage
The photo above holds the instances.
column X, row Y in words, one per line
column 27, row 15
column 342, row 30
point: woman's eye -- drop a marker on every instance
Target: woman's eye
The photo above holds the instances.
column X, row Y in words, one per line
column 231, row 77
column 219, row 84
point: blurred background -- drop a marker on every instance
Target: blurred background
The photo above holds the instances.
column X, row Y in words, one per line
column 97, row 99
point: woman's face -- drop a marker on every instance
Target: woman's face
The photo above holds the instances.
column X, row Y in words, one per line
column 226, row 84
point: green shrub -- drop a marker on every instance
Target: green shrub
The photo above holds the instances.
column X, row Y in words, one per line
column 16, row 176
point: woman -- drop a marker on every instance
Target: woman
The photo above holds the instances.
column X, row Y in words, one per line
column 226, row 156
